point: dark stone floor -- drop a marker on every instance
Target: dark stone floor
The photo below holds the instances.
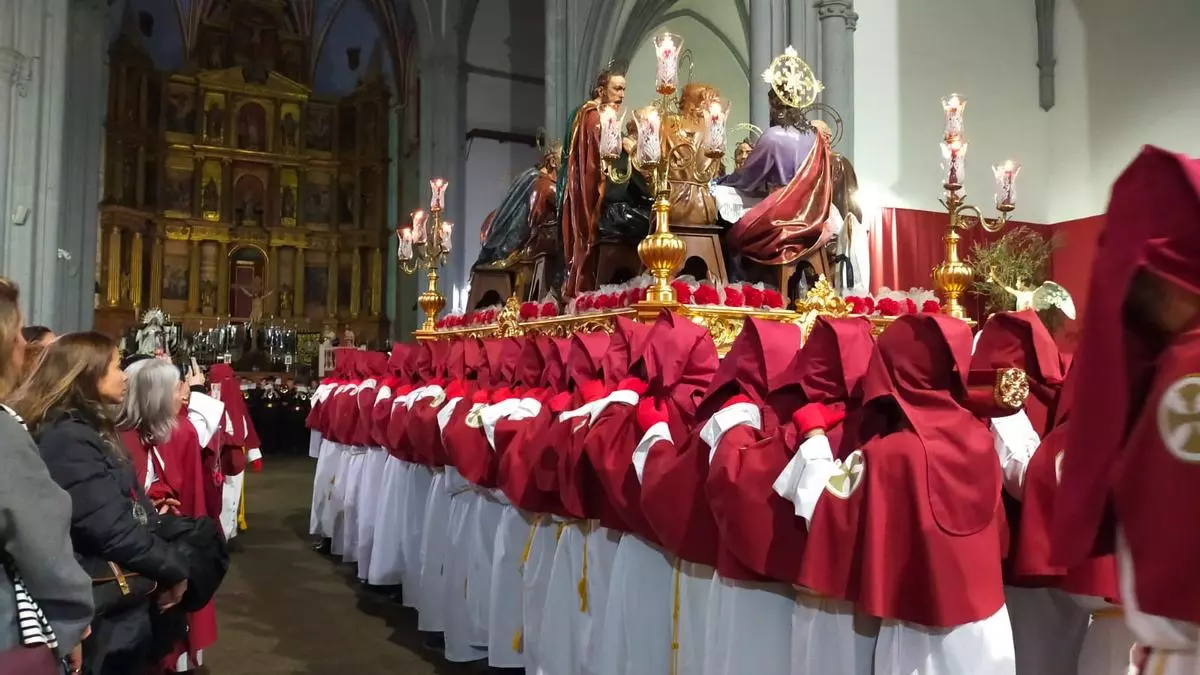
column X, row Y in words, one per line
column 287, row 610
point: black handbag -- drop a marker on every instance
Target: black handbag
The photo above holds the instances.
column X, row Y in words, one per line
column 114, row 589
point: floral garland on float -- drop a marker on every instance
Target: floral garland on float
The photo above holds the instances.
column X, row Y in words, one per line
column 888, row 303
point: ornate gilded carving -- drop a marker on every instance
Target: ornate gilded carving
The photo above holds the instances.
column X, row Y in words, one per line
column 1012, row 388
column 508, row 322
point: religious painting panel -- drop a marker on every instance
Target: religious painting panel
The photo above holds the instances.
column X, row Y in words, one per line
column 178, row 188
column 347, row 130
column 316, row 283
column 211, row 180
column 319, row 128
column 289, row 188
column 249, row 190
column 346, row 200
column 176, row 271
column 252, row 131
column 289, row 128
column 370, row 127
column 345, row 278
column 247, row 282
column 129, row 174
column 214, row 118
column 181, row 109
column 210, row 252
column 153, row 103
column 317, row 198
column 150, row 180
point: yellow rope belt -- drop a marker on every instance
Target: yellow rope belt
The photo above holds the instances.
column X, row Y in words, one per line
column 1109, row 613
column 518, row 642
column 583, row 580
column 675, row 621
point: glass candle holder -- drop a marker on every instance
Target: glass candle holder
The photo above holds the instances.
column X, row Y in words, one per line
column 954, row 105
column 1006, row 183
column 419, row 217
column 446, row 236
column 404, row 239
column 610, row 133
column 437, row 199
column 954, row 155
column 715, row 116
column 649, row 132
column 667, row 47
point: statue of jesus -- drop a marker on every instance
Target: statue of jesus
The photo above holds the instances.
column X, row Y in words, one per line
column 254, row 290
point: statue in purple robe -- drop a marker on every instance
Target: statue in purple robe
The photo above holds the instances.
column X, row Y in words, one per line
column 777, row 155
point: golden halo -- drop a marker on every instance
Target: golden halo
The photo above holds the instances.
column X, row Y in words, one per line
column 793, row 80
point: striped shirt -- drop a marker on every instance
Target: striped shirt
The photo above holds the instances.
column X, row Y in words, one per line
column 35, row 629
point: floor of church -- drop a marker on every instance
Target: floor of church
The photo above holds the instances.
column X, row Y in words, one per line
column 287, row 610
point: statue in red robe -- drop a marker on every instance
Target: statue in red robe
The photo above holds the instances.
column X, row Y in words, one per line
column 581, row 181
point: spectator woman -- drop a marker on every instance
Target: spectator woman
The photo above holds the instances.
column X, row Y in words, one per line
column 67, row 401
column 165, row 447
column 45, row 597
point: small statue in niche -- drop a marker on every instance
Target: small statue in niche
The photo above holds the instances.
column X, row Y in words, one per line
column 254, row 290
column 285, row 300
column 208, row 296
column 214, row 123
column 152, row 337
column 289, row 127
column 250, row 208
column 287, row 202
column 216, row 59
column 210, row 197
column 126, row 287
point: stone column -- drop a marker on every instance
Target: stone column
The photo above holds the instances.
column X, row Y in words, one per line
column 193, row 276
column 760, row 60
column 83, row 139
column 298, row 284
column 443, row 130
column 557, row 64
column 838, row 21
column 223, row 279
column 805, row 31
column 112, row 289
column 376, row 275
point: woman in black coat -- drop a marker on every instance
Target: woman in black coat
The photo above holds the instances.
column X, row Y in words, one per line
column 66, row 403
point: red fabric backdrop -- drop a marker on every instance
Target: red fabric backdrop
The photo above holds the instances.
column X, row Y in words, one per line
column 906, row 244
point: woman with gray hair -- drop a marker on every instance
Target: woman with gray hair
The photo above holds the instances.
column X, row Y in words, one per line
column 162, row 423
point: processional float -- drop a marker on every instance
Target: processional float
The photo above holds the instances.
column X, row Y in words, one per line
column 662, row 252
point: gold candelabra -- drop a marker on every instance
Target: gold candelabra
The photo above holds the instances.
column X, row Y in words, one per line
column 953, row 276
column 426, row 248
column 662, row 252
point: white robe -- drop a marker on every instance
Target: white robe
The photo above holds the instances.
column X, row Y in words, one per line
column 387, row 550
column 464, row 640
column 505, row 608
column 431, row 560
column 368, row 507
column 535, row 582
column 1175, row 644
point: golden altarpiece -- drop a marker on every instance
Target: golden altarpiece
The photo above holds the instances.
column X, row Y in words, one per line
column 232, row 193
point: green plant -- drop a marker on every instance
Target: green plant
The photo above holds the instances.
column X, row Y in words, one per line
column 1019, row 259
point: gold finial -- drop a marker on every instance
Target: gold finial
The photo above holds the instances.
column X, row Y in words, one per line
column 508, row 322
column 823, row 299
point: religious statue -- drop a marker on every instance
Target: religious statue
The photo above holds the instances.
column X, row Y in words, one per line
column 581, row 179
column 214, row 123
column 254, row 290
column 690, row 169
column 151, row 337
column 287, row 203
column 210, row 198
column 285, row 300
column 1048, row 296
column 527, row 207
column 208, row 296
column 852, row 249
column 740, row 153
column 289, row 127
column 791, row 163
column 347, row 337
column 249, row 207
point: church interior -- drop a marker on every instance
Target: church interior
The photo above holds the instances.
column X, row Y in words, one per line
column 264, row 182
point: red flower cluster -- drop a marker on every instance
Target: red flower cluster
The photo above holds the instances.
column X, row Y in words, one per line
column 931, row 307
column 734, row 297
column 451, row 321
column 548, row 310
column 890, row 307
column 706, row 294
column 683, row 292
column 529, row 310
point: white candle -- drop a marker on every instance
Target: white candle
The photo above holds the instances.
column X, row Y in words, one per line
column 405, row 237
column 610, row 133
column 446, row 235
column 1006, row 180
column 714, row 128
column 666, row 73
column 955, row 154
column 649, row 128
column 418, row 226
column 954, row 105
column 437, row 200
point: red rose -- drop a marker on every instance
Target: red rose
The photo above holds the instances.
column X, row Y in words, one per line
column 683, row 292
column 910, row 307
column 638, row 294
column 583, row 303
column 623, row 298
column 529, row 310
column 868, row 305
column 931, row 307
column 889, row 307
column 603, row 302
column 734, row 297
column 772, row 299
column 706, row 294
column 549, row 309
column 856, row 304
column 752, row 296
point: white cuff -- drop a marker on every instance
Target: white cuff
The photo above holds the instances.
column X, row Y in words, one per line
column 253, row 455
column 384, row 392
column 1016, row 441
column 728, row 418
column 205, row 412
column 490, row 416
column 804, row 478
column 657, row 432
column 445, row 412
